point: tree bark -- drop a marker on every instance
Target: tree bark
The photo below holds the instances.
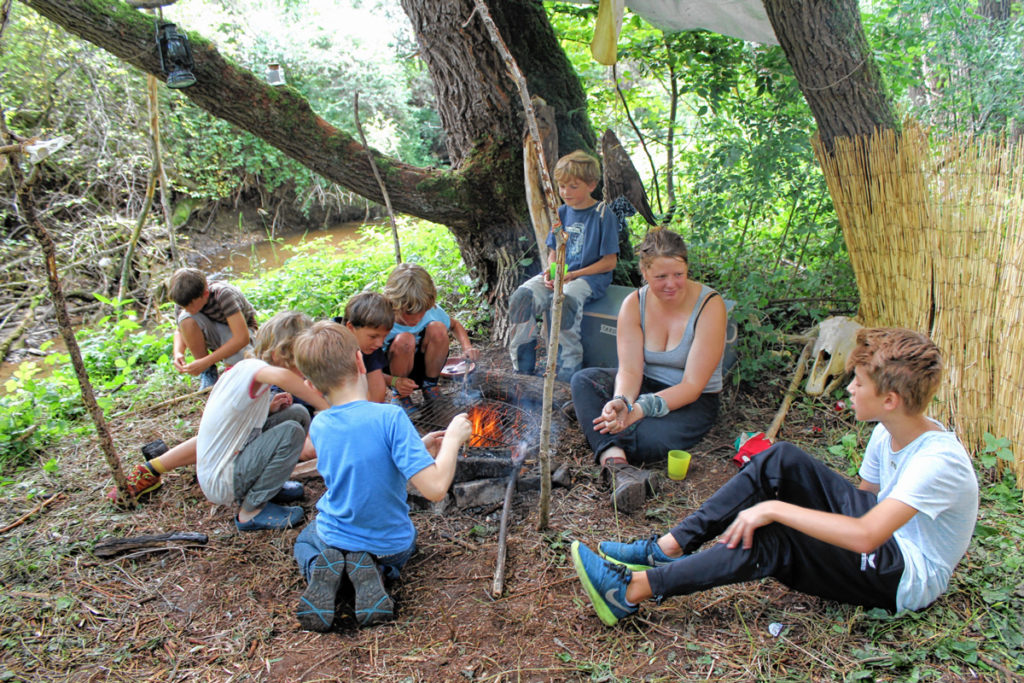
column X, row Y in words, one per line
column 482, row 200
column 824, row 42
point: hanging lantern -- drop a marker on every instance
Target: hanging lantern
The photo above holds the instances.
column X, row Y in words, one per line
column 175, row 56
column 275, row 74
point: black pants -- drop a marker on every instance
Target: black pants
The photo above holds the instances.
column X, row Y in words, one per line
column 786, row 473
column 649, row 440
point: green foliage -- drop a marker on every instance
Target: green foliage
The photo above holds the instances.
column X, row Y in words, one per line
column 848, row 450
column 319, row 281
column 951, row 66
column 41, row 405
column 995, row 450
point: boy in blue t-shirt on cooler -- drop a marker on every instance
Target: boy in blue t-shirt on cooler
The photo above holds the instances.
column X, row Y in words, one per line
column 367, row 454
column 417, row 346
column 591, row 252
column 891, row 542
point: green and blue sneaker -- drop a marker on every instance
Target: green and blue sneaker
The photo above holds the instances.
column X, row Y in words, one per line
column 373, row 604
column 638, row 555
column 316, row 606
column 605, row 583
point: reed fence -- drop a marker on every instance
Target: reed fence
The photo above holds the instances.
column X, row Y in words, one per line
column 935, row 232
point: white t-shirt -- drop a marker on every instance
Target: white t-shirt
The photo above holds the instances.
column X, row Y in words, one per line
column 234, row 409
column 934, row 475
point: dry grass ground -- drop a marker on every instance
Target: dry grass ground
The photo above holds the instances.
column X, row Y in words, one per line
column 224, row 611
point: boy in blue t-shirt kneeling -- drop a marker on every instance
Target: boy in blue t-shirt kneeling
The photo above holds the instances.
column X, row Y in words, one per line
column 366, row 454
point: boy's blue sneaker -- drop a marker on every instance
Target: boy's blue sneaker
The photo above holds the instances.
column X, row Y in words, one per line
column 605, row 583
column 405, row 402
column 431, row 392
column 373, row 604
column 208, row 377
column 289, row 493
column 638, row 556
column 273, row 517
column 317, row 604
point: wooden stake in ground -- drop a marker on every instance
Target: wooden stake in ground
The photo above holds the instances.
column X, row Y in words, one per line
column 794, row 386
column 498, row 587
column 23, row 188
column 380, row 183
column 556, row 303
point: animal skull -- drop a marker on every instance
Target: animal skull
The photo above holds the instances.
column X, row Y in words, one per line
column 836, row 339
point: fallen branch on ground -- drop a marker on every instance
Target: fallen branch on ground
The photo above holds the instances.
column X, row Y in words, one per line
column 110, row 547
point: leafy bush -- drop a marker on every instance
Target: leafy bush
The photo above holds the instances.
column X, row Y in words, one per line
column 125, row 363
column 318, row 281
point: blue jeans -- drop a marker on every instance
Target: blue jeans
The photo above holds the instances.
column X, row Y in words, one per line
column 309, row 545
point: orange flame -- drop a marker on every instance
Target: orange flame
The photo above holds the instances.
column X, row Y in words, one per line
column 487, row 429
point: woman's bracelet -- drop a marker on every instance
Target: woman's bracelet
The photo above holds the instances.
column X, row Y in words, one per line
column 653, row 405
column 393, row 379
column 629, row 404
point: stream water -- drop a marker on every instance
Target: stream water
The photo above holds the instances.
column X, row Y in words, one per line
column 267, row 255
column 251, row 261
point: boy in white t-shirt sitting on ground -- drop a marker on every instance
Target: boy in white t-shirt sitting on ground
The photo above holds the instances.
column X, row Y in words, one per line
column 892, row 542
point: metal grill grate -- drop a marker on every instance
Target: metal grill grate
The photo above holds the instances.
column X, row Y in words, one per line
column 497, row 424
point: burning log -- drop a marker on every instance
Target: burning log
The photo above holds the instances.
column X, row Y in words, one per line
column 499, row 573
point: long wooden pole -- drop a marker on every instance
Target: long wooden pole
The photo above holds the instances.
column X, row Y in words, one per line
column 551, row 203
column 26, row 204
column 380, row 183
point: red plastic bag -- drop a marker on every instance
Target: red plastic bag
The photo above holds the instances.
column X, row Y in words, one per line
column 751, row 447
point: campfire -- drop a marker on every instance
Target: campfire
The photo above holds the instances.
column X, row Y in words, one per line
column 502, row 431
column 488, row 431
column 498, row 427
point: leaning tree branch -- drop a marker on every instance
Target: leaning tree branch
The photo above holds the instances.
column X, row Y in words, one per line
column 23, row 190
column 278, row 115
column 551, row 203
column 380, row 181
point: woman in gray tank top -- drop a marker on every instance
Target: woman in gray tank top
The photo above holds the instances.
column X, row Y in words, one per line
column 664, row 394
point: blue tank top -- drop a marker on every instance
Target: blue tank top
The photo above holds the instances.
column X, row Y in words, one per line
column 668, row 366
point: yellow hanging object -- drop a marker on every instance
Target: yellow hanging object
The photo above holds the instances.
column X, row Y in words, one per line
column 604, row 46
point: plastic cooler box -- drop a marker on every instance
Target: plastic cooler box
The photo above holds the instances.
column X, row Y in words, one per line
column 597, row 331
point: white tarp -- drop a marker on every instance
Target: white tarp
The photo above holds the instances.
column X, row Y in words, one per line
column 744, row 19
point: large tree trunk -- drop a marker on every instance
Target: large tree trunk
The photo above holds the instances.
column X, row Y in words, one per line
column 826, row 46
column 481, row 200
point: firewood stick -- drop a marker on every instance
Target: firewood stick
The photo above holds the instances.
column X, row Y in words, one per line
column 109, row 547
column 21, row 520
column 794, row 385
column 499, row 573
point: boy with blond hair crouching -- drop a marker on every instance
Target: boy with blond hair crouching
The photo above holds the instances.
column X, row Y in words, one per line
column 367, row 452
column 249, row 438
column 417, row 346
column 892, row 542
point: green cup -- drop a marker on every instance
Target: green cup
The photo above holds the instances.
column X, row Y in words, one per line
column 678, row 464
column 553, row 270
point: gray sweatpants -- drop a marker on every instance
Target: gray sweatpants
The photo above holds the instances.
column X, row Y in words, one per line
column 266, row 461
column 216, row 335
column 533, row 299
